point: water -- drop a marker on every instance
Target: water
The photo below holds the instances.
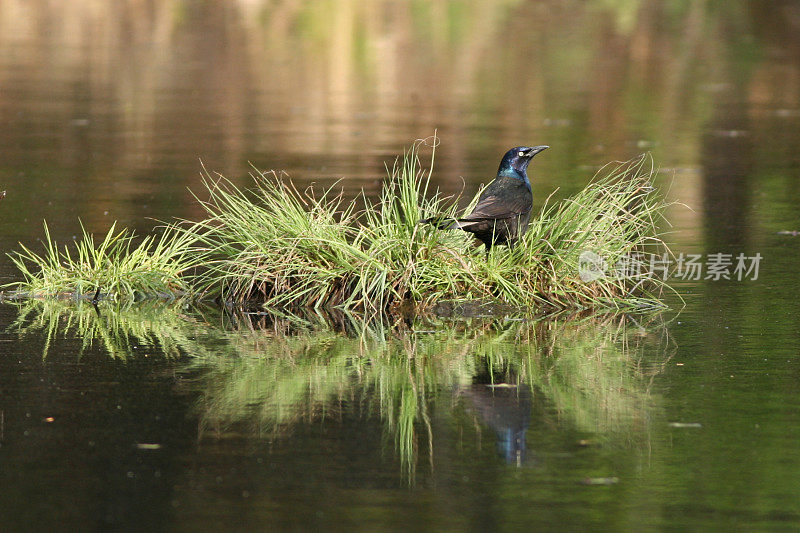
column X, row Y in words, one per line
column 186, row 419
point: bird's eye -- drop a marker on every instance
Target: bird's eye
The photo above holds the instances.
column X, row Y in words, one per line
column 522, row 154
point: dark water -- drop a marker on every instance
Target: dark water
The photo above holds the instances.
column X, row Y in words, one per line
column 187, row 419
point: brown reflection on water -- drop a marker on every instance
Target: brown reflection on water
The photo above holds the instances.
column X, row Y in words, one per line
column 107, row 108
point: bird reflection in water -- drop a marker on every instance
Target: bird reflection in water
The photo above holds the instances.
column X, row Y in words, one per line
column 506, row 409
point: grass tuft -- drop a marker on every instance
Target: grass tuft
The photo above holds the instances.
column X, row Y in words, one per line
column 117, row 267
column 290, row 248
column 284, row 248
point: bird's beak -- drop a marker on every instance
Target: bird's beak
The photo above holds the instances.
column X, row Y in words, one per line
column 536, row 149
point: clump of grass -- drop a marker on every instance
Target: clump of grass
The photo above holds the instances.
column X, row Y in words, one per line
column 614, row 222
column 117, row 267
column 285, row 247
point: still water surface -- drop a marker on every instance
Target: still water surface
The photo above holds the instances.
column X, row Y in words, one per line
column 184, row 419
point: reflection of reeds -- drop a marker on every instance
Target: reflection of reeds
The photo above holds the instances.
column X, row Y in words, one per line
column 591, row 371
column 122, row 330
column 595, row 377
column 271, row 373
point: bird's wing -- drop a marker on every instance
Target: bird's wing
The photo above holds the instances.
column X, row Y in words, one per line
column 497, row 207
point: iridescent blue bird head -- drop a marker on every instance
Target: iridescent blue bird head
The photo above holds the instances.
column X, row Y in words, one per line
column 515, row 162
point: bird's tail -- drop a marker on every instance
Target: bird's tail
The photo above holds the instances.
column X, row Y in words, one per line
column 441, row 222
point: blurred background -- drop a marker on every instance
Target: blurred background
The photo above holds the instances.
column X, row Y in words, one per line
column 109, row 108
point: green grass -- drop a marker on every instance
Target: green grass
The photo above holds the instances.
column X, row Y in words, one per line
column 290, row 248
column 118, row 266
column 286, row 248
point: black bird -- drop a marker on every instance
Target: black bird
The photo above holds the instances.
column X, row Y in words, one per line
column 504, row 208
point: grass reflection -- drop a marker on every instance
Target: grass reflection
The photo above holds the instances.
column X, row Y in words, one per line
column 265, row 375
column 122, row 330
column 596, row 375
column 592, row 373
